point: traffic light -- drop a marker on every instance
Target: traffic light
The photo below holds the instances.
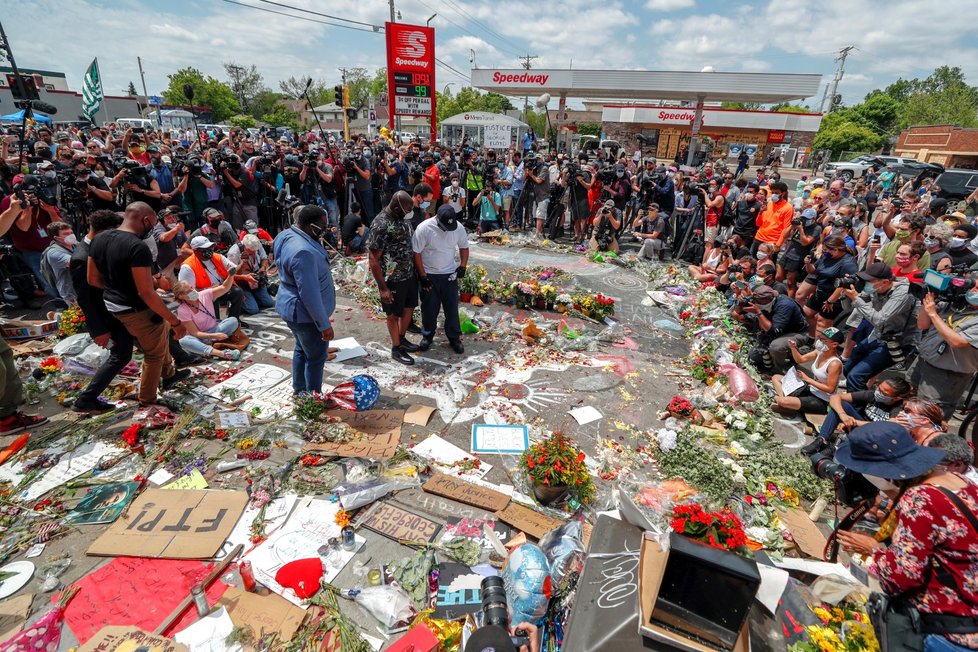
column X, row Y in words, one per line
column 338, row 93
column 351, row 113
column 346, row 96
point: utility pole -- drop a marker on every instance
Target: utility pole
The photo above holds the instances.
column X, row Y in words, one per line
column 344, row 101
column 392, row 11
column 525, row 64
column 142, row 77
column 843, row 53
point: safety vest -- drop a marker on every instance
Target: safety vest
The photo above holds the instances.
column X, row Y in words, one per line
column 202, row 279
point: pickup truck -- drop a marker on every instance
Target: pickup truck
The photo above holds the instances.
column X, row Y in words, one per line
column 857, row 167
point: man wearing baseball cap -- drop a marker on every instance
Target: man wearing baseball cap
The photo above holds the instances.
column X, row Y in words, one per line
column 307, row 297
column 208, row 269
column 435, row 244
column 780, row 320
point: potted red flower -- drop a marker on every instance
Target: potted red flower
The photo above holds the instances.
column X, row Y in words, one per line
column 722, row 530
column 556, row 467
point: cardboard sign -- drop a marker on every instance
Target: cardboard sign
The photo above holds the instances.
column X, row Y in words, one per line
column 459, row 591
column 13, row 614
column 466, row 492
column 263, row 613
column 381, row 434
column 528, row 520
column 398, row 523
column 419, row 415
column 174, row 524
column 114, row 638
column 806, row 535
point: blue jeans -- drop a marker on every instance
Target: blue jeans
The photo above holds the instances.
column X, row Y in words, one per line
column 308, row 358
column 827, row 432
column 256, row 299
column 359, row 242
column 33, row 260
column 200, row 347
column 867, row 360
column 937, row 643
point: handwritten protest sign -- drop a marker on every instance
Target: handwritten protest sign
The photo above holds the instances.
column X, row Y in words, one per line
column 398, row 523
column 528, row 520
column 380, row 430
column 264, row 614
column 174, row 524
column 466, row 492
column 126, row 639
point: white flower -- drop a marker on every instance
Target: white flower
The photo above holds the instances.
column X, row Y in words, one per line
column 740, row 425
column 754, row 437
column 738, row 448
column 666, row 439
column 729, row 419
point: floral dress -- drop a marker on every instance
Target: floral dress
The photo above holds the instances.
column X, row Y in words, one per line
column 930, row 527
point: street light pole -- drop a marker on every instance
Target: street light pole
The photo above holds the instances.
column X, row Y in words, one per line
column 427, row 23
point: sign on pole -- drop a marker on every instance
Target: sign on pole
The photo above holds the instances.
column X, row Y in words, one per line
column 411, row 71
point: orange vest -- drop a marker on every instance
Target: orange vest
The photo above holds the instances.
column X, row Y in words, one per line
column 202, row 279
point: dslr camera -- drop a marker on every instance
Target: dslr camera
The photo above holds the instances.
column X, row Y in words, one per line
column 494, row 631
column 850, row 282
column 851, row 487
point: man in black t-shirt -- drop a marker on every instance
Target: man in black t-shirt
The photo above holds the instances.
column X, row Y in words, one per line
column 121, row 264
column 354, row 232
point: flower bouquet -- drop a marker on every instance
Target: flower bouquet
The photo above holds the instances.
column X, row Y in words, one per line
column 722, row 530
column 845, row 627
column 562, row 302
column 468, row 285
column 682, row 408
column 72, row 322
column 556, row 467
column 548, row 293
column 524, row 294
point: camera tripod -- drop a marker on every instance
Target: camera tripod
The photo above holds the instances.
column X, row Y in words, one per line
column 688, row 243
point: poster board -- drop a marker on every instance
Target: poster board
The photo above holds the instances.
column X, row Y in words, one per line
column 397, row 523
column 466, row 493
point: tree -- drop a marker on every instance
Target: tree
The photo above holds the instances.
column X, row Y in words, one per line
column 844, row 135
column 359, row 85
column 131, row 91
column 945, row 97
column 790, row 108
column 378, row 84
column 282, row 117
column 244, row 121
column 741, row 106
column 264, row 102
column 589, row 128
column 246, row 83
column 319, row 91
column 207, row 92
column 879, row 112
column 469, row 99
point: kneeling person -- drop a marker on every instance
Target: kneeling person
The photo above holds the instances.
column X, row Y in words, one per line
column 435, row 243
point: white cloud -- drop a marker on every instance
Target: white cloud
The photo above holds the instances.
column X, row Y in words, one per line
column 668, row 5
column 175, row 32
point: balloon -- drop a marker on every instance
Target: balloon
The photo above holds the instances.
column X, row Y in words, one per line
column 526, row 575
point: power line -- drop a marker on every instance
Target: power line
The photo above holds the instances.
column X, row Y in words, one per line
column 460, row 74
column 316, row 13
column 311, row 20
column 461, row 27
column 490, row 30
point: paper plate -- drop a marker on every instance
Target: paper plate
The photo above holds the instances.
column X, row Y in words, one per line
column 24, row 571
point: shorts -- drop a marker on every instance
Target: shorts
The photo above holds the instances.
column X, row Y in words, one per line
column 816, row 302
column 710, row 234
column 508, row 202
column 405, row 297
column 792, row 264
column 810, row 404
column 542, row 207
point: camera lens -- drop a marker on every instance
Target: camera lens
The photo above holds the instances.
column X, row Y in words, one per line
column 494, row 602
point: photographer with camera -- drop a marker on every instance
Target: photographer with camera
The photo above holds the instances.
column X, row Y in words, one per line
column 395, row 173
column 605, row 227
column 497, row 633
column 28, row 234
column 454, row 195
column 490, row 204
column 96, row 194
column 316, row 177
column 651, row 229
column 432, row 176
column 802, row 236
column 240, row 190
column 195, row 187
column 252, row 273
column 887, row 304
column 170, row 235
column 780, row 321
column 55, row 259
column 137, row 185
column 835, row 268
column 160, row 171
column 854, row 409
column 948, row 349
column 217, row 230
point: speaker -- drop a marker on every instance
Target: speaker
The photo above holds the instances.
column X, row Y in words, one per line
column 706, row 593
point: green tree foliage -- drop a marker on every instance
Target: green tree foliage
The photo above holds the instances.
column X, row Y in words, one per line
column 741, row 106
column 359, row 83
column 207, row 92
column 785, row 107
column 589, row 128
column 282, row 117
column 246, row 83
column 378, row 84
column 131, row 91
column 244, row 121
column 839, row 133
column 470, row 99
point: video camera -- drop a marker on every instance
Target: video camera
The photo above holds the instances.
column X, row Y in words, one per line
column 134, row 172
column 851, row 487
column 184, row 165
column 494, row 633
column 950, row 288
column 28, row 189
column 74, row 185
column 607, row 175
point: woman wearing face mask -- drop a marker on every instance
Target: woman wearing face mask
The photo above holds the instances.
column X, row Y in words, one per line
column 948, row 350
column 835, row 263
column 854, row 409
column 199, row 316
column 933, row 557
column 713, row 204
column 748, row 208
column 922, row 419
column 958, row 247
column 800, row 238
column 813, row 397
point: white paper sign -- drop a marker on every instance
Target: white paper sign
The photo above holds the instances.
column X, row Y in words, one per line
column 207, row 634
column 81, row 460
column 276, row 514
column 443, row 454
column 499, row 438
column 253, row 380
column 233, row 419
column 791, row 382
column 309, row 528
column 585, row 414
column 497, row 136
column 348, row 349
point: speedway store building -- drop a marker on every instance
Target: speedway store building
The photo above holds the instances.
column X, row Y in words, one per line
column 668, row 129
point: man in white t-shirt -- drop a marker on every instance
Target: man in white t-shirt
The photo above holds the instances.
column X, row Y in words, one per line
column 436, row 242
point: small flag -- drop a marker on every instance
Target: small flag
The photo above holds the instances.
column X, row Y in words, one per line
column 92, row 91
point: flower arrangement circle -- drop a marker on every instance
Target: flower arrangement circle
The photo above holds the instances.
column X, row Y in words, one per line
column 722, row 530
column 557, row 462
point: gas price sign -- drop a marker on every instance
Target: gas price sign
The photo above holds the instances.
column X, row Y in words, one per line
column 411, row 70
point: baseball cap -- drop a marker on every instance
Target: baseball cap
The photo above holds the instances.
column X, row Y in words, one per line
column 43, row 165
column 834, row 334
column 619, row 167
column 63, row 135
column 251, row 226
column 152, row 148
column 446, row 218
column 212, row 212
column 609, row 204
column 808, row 214
column 764, row 295
column 818, row 182
column 200, row 242
column 878, row 271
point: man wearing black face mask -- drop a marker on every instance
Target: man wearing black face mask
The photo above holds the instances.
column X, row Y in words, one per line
column 392, row 266
column 217, row 230
column 120, row 264
column 240, row 193
column 435, row 243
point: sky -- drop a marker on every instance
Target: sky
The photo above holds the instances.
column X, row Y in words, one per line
column 894, row 38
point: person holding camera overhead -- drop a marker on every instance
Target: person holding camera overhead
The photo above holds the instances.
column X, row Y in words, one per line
column 605, row 227
column 319, row 186
column 948, row 348
column 801, row 236
column 836, row 267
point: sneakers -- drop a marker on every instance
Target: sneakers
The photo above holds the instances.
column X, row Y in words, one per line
column 424, row 344
column 456, row 346
column 18, row 422
column 189, row 361
column 409, row 347
column 92, row 407
column 414, row 328
column 397, row 353
column 814, row 447
column 181, row 374
column 231, row 354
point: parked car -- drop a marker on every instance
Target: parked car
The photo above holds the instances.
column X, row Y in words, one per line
column 957, row 183
column 857, row 167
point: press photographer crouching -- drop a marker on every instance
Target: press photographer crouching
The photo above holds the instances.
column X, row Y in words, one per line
column 948, row 322
column 605, row 227
column 930, row 564
column 651, row 228
column 779, row 321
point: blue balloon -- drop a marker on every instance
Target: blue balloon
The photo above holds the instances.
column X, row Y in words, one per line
column 526, row 575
